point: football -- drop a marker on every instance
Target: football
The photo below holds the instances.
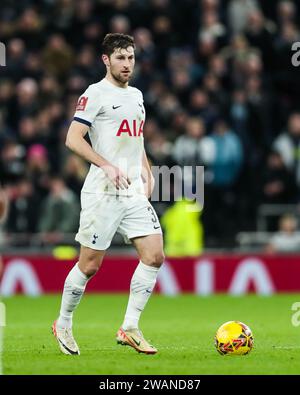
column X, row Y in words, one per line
column 234, row 338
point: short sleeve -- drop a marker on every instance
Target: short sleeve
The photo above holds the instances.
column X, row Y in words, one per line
column 88, row 106
column 141, row 96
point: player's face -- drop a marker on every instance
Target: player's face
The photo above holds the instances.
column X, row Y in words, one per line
column 121, row 64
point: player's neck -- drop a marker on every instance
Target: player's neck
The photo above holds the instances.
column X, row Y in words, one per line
column 115, row 82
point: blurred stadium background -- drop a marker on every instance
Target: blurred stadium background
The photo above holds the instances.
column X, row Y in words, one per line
column 220, row 91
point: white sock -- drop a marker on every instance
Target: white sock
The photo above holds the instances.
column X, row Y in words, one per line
column 141, row 287
column 73, row 290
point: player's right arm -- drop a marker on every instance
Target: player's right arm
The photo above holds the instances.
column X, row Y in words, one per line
column 76, row 142
column 87, row 109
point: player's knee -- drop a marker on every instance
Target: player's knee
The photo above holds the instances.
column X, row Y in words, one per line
column 90, row 270
column 159, row 259
column 91, row 267
column 156, row 259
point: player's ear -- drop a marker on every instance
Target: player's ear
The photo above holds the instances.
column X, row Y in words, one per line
column 105, row 60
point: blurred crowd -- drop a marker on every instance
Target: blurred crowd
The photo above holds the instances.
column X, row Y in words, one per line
column 219, row 89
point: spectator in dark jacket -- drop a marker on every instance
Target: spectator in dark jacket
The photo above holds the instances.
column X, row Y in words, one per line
column 60, row 212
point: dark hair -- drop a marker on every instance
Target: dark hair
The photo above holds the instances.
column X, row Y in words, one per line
column 113, row 41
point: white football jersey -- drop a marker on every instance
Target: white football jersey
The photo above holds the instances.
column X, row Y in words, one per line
column 116, row 118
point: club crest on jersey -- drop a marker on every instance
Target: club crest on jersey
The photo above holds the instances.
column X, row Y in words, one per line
column 131, row 130
column 81, row 103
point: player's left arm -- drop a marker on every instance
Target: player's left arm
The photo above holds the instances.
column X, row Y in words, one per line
column 147, row 176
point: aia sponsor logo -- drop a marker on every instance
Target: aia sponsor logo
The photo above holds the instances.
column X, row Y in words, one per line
column 130, row 129
column 81, row 103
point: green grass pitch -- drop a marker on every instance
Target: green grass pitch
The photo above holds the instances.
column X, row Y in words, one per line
column 182, row 328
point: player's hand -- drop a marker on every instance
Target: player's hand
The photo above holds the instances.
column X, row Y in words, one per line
column 117, row 177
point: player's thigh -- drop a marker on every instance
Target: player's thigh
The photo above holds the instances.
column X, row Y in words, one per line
column 100, row 217
column 140, row 219
column 150, row 249
column 90, row 260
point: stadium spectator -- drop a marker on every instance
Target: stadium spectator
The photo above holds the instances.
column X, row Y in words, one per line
column 238, row 13
column 30, row 26
column 158, row 146
column 144, row 43
column 226, row 156
column 74, row 173
column 16, row 52
column 3, row 204
column 57, row 57
column 211, row 25
column 38, row 168
column 23, row 212
column 288, row 143
column 260, row 33
column 286, row 11
column 287, row 239
column 223, row 162
column 185, row 150
column 25, row 103
column 277, row 184
column 239, row 116
column 201, row 106
column 49, row 89
column 259, row 123
column 12, row 165
column 55, row 222
column 120, row 24
column 28, row 132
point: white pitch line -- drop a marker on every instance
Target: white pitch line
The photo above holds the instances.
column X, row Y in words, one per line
column 286, row 347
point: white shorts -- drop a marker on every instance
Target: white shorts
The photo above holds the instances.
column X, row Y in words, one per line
column 103, row 215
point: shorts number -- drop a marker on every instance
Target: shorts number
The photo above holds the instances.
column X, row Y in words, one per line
column 154, row 218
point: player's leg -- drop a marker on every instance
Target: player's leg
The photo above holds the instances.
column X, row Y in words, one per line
column 99, row 219
column 150, row 251
column 89, row 262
